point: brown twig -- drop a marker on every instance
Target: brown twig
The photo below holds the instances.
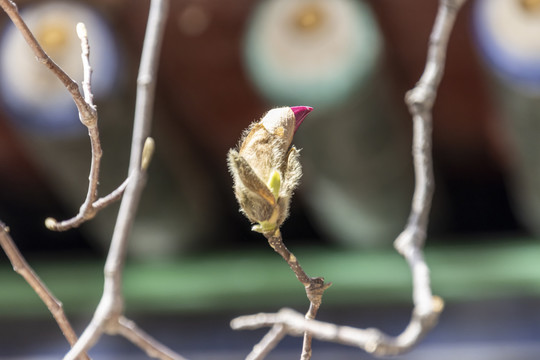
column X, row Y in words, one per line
column 308, row 338
column 21, row 267
column 410, row 242
column 314, row 287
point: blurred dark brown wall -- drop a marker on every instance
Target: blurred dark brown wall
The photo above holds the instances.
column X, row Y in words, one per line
column 205, row 99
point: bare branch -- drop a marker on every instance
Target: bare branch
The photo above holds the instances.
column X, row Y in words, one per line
column 268, row 342
column 87, row 114
column 108, row 317
column 410, row 242
column 21, row 267
column 420, row 101
column 130, row 331
column 87, row 211
column 308, row 338
column 371, row 340
column 112, row 197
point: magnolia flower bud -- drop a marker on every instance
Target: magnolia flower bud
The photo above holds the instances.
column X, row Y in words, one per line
column 266, row 169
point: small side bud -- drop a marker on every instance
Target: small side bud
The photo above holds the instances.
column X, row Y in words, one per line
column 147, row 153
column 264, row 227
column 438, row 304
column 275, row 183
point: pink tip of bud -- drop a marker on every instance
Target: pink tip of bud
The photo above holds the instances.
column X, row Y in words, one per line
column 300, row 113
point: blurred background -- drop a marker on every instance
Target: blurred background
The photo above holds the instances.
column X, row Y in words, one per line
column 223, row 65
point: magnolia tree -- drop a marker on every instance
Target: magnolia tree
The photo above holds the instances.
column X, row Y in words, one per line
column 266, row 170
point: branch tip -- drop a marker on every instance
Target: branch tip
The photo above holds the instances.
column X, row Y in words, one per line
column 51, row 223
column 82, row 33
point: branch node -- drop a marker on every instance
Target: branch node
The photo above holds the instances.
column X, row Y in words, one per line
column 144, row 80
column 420, row 98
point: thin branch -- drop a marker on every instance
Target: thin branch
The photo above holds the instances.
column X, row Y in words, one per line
column 82, row 33
column 315, row 288
column 130, row 331
column 371, row 340
column 21, row 267
column 410, row 242
column 420, row 101
column 112, row 197
column 268, row 342
column 308, row 338
column 87, row 211
column 108, row 316
column 87, row 114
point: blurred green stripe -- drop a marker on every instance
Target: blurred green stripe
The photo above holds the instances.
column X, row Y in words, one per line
column 260, row 279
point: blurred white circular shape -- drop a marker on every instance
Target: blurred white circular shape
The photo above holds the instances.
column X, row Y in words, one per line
column 34, row 97
column 508, row 35
column 315, row 52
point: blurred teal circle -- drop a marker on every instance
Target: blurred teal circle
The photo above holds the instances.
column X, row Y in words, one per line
column 314, row 52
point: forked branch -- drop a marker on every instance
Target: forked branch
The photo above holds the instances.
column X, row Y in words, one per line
column 315, row 288
column 91, row 205
column 410, row 242
column 87, row 114
column 108, row 317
